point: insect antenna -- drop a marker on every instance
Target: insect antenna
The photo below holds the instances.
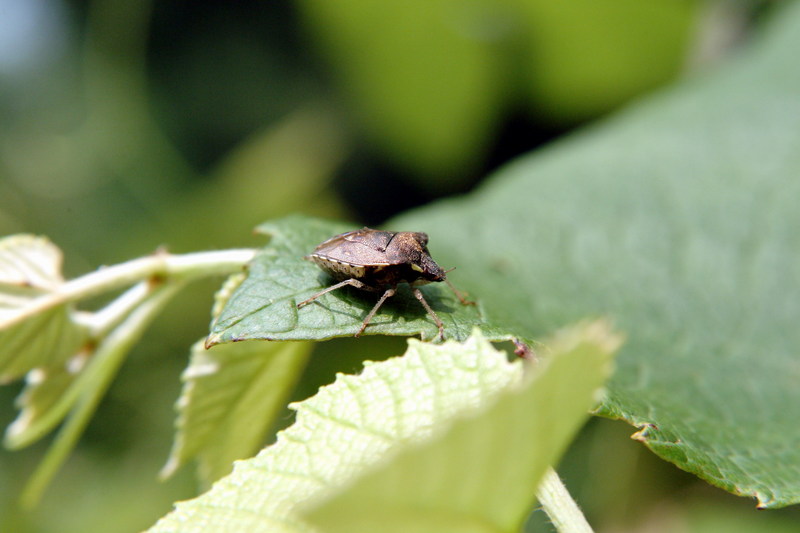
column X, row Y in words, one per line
column 458, row 293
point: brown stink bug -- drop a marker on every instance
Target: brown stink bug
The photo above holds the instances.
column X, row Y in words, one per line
column 378, row 261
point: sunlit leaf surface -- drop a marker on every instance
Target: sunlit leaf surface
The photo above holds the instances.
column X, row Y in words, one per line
column 426, row 420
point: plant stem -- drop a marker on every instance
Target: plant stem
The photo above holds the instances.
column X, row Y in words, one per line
column 562, row 510
column 160, row 264
column 107, row 318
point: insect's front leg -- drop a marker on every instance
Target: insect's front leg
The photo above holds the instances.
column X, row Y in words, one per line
column 434, row 316
column 388, row 294
column 354, row 282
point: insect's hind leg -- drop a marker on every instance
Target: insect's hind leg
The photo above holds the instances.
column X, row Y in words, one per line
column 353, row 282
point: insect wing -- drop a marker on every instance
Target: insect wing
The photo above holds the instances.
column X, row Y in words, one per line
column 371, row 238
column 362, row 247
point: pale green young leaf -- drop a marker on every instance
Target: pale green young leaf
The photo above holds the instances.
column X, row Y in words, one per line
column 29, row 264
column 230, row 398
column 482, row 472
column 346, row 427
column 44, row 389
column 224, row 293
column 30, row 267
column 406, row 405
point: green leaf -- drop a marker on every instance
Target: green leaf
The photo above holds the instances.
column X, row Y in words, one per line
column 231, row 396
column 399, row 414
column 30, row 267
column 44, row 390
column 677, row 219
column 450, row 483
column 264, row 306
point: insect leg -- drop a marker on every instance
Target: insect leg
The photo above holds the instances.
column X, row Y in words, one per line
column 434, row 316
column 388, row 294
column 354, row 282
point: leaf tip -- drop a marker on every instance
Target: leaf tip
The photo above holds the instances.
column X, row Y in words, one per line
column 14, row 432
column 169, row 468
column 212, row 340
column 765, row 501
column 643, row 434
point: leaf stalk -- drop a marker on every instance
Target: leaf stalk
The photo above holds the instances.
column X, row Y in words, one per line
column 562, row 510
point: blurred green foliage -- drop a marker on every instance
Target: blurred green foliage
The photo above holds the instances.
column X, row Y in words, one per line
column 129, row 125
column 432, row 81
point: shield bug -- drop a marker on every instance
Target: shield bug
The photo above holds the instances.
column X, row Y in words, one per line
column 376, row 261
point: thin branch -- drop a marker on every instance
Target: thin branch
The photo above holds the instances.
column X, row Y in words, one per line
column 107, row 318
column 161, row 264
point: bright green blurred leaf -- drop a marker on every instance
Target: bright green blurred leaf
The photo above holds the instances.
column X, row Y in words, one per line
column 679, row 220
column 264, row 305
column 286, row 167
column 585, row 57
column 397, row 413
column 30, row 267
column 283, row 168
column 422, row 76
column 231, row 396
column 429, row 79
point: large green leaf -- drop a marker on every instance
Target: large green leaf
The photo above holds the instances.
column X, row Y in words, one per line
column 435, row 412
column 264, row 305
column 679, row 219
